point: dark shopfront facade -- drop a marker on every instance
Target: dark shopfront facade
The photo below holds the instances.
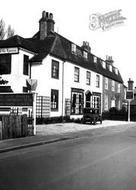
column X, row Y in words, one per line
column 92, row 100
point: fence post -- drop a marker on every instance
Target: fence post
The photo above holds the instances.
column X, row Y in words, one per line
column 0, row 130
column 34, row 113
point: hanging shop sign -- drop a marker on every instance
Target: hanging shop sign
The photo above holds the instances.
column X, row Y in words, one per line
column 129, row 95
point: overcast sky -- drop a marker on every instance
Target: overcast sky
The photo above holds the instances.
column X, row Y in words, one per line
column 72, row 21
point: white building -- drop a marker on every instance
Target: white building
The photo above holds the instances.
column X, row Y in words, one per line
column 69, row 77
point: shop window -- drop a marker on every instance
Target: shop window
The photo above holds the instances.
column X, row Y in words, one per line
column 54, row 100
column 96, row 102
column 77, row 101
column 88, row 99
column 55, row 69
column 5, row 64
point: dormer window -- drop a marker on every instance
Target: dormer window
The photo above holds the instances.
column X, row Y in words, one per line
column 95, row 59
column 104, row 64
column 85, row 55
column 73, row 48
column 110, row 68
column 116, row 71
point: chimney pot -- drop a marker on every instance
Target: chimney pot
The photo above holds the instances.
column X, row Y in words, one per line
column 51, row 16
column 43, row 14
column 47, row 15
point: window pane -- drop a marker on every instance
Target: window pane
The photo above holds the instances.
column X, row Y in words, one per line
column 105, row 102
column 26, row 61
column 54, row 100
column 77, row 102
column 73, row 48
column 113, row 85
column 97, row 81
column 88, row 78
column 76, row 74
column 106, row 83
column 55, row 69
column 5, row 64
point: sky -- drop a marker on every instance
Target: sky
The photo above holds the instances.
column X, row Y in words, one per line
column 72, row 21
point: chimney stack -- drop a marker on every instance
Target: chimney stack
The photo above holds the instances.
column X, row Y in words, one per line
column 46, row 25
column 109, row 60
column 86, row 46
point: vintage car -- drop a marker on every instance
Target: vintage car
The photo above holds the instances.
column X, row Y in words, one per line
column 91, row 115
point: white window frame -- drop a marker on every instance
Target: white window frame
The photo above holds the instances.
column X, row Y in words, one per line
column 113, row 85
column 85, row 54
column 97, row 81
column 88, row 78
column 73, row 48
column 110, row 68
column 113, row 103
column 106, row 102
column 104, row 64
column 119, row 88
column 106, row 83
column 95, row 59
column 76, row 74
column 116, row 71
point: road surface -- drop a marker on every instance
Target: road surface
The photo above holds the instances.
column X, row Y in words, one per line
column 106, row 161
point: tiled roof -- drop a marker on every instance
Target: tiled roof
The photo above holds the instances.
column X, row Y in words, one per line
column 59, row 47
column 17, row 41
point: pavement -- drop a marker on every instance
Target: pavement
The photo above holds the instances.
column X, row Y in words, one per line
column 51, row 133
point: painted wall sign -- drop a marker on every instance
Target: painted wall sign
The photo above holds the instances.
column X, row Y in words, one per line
column 16, row 99
column 8, row 50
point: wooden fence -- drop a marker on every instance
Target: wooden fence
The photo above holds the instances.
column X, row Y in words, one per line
column 14, row 126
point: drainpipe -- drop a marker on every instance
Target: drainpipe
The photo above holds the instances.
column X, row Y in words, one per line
column 63, row 90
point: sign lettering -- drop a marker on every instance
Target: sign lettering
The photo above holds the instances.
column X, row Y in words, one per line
column 129, row 95
column 16, row 99
column 8, row 50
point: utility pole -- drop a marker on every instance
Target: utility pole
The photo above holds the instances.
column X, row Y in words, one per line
column 129, row 110
column 130, row 96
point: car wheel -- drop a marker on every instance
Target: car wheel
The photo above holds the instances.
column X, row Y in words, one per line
column 82, row 121
column 94, row 121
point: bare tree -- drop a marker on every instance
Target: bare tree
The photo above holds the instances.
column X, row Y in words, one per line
column 2, row 29
column 5, row 33
column 10, row 32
